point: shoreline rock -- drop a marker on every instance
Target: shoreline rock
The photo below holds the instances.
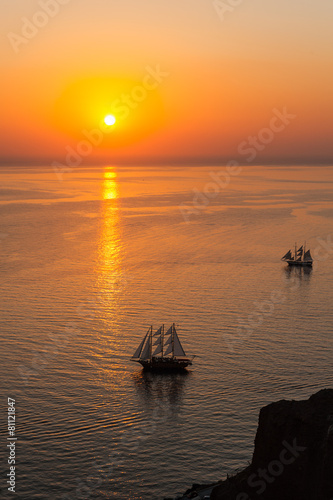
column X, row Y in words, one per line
column 293, row 454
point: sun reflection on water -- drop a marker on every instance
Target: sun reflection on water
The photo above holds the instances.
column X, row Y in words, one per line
column 110, row 279
column 110, row 187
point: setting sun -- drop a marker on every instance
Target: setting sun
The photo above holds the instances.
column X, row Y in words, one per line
column 109, row 120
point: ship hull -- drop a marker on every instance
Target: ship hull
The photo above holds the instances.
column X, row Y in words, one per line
column 299, row 263
column 165, row 364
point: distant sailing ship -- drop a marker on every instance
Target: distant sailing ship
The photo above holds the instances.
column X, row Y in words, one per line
column 301, row 257
column 162, row 351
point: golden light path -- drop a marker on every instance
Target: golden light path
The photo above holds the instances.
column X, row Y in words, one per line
column 110, row 242
column 110, row 285
column 109, row 269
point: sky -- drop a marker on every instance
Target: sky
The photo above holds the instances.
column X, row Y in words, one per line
column 186, row 80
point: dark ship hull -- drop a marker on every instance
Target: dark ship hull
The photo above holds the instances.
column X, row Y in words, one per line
column 159, row 364
column 299, row 263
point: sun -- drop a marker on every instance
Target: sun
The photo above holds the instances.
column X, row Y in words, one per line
column 109, row 120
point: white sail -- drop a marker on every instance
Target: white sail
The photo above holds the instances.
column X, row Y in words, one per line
column 168, row 341
column 139, row 349
column 307, row 256
column 158, row 332
column 158, row 341
column 157, row 350
column 146, row 351
column 178, row 350
column 169, row 331
column 287, row 256
column 169, row 350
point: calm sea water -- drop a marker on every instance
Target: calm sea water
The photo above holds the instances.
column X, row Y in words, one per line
column 90, row 261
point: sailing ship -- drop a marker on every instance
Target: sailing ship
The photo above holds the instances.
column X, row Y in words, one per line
column 300, row 257
column 161, row 351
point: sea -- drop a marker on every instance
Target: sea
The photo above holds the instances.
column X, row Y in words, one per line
column 91, row 257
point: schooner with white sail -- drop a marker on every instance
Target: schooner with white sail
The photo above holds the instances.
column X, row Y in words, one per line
column 162, row 351
column 300, row 257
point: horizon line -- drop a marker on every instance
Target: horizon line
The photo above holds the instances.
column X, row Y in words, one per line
column 170, row 161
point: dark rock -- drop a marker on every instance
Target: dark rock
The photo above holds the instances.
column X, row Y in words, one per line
column 293, row 454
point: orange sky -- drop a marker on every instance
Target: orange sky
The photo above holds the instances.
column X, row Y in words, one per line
column 184, row 79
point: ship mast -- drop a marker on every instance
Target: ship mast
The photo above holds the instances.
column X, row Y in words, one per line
column 173, row 340
column 162, row 340
column 151, row 343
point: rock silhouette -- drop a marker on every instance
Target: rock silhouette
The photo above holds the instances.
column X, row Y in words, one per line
column 293, row 454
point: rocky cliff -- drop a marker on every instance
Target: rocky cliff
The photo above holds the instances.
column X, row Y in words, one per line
column 293, row 454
